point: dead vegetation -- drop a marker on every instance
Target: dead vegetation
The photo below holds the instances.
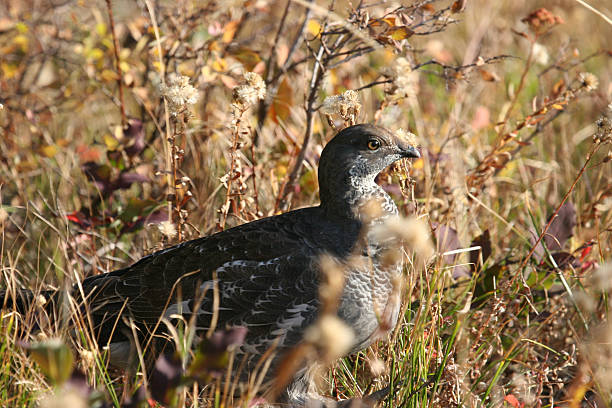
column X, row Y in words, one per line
column 130, row 126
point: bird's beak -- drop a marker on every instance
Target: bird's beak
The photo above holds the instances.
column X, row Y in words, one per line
column 410, row 151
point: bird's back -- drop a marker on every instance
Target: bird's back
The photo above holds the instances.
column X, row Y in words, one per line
column 266, row 273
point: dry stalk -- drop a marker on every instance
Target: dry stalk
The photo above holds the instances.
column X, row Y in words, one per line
column 230, row 195
column 109, row 9
column 603, row 137
column 162, row 72
column 244, row 96
column 508, row 143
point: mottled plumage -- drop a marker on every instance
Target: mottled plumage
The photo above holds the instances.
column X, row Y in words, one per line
column 268, row 270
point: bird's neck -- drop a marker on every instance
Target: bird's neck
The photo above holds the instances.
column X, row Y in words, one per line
column 357, row 197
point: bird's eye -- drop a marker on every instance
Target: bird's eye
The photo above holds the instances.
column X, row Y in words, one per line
column 373, row 144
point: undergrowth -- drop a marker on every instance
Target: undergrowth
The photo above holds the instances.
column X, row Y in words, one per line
column 128, row 127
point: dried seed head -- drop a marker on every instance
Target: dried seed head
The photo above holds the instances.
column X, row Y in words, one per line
column 347, row 106
column 405, row 80
column 588, row 81
column 41, row 300
column 331, row 337
column 407, row 136
column 541, row 20
column 252, row 91
column 179, row 93
column 540, row 54
column 377, row 367
column 414, row 232
column 390, row 257
column 601, row 278
column 585, row 301
column 604, row 130
column 88, row 358
column 167, row 228
column 332, row 284
column 598, row 352
column 65, row 398
column 371, row 210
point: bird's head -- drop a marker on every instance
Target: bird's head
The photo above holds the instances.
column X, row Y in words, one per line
column 354, row 157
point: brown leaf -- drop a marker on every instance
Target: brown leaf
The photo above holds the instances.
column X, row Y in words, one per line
column 446, row 240
column 488, row 76
column 229, row 31
column 247, row 57
column 558, row 87
column 400, row 33
column 458, row 6
column 283, row 102
column 282, row 52
column 390, row 21
column 428, row 7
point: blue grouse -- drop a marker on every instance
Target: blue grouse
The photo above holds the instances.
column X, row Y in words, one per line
column 268, row 271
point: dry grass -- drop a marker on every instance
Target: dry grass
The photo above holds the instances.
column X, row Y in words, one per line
column 499, row 98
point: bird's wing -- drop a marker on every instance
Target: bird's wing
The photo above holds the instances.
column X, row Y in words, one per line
column 266, row 276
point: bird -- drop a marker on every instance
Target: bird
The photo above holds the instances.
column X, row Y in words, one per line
column 267, row 272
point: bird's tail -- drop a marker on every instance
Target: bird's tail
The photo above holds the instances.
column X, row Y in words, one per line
column 25, row 300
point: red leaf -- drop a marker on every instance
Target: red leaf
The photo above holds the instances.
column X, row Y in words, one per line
column 80, row 219
column 586, row 251
column 512, row 400
column 458, row 6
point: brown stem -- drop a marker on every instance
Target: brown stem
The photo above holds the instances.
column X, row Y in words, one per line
column 264, row 105
column 233, row 154
column 253, row 164
column 317, row 74
column 178, row 131
column 272, row 76
column 272, row 57
column 117, row 63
